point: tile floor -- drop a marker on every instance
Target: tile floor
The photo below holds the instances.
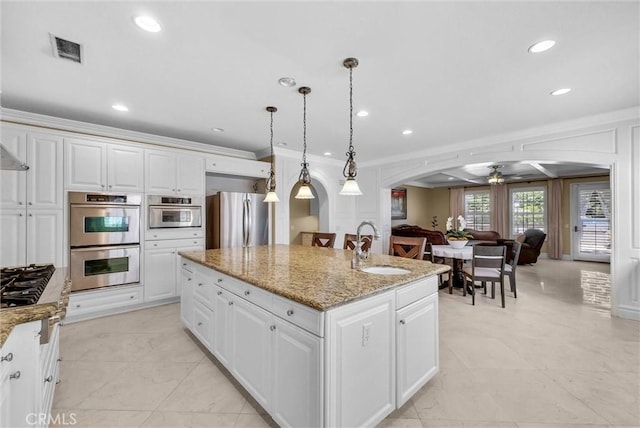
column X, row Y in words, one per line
column 553, row 358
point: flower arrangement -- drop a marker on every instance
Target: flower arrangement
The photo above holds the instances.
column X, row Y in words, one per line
column 457, row 233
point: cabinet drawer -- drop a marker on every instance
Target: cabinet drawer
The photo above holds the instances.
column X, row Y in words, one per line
column 415, row 291
column 203, row 326
column 203, row 289
column 174, row 243
column 300, row 315
column 102, row 300
column 175, row 233
column 248, row 292
column 188, row 265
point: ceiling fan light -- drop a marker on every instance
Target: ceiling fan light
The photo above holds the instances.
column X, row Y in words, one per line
column 271, row 197
column 304, row 192
column 350, row 188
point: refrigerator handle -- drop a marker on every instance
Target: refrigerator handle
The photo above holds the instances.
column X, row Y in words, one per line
column 249, row 223
column 245, row 222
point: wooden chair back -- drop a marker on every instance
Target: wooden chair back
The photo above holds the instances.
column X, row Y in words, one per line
column 320, row 239
column 488, row 256
column 408, row 247
column 350, row 241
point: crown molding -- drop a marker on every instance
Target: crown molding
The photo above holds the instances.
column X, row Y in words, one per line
column 85, row 128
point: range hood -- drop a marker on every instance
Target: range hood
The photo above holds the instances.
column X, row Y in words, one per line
column 9, row 162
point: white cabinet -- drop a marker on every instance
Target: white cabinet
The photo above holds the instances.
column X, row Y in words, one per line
column 251, row 348
column 223, row 300
column 203, row 323
column 237, row 166
column 174, row 173
column 106, row 300
column 297, row 373
column 162, row 266
column 20, row 388
column 417, row 333
column 98, row 166
column 186, row 295
column 31, row 215
column 361, row 345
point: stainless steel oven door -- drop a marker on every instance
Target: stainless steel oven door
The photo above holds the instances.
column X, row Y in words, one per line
column 104, row 266
column 174, row 216
column 103, row 225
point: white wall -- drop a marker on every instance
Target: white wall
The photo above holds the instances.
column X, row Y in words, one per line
column 611, row 140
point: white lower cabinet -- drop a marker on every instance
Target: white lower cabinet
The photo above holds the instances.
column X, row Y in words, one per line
column 349, row 366
column 417, row 336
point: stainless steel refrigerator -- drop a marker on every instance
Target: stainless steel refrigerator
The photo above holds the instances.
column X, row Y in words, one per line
column 237, row 220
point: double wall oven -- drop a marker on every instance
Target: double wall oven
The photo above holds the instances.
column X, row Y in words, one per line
column 104, row 239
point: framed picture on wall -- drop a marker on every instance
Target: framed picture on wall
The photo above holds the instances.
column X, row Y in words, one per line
column 399, row 204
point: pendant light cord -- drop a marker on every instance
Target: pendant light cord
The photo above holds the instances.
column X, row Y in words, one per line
column 350, row 111
column 304, row 130
column 271, row 139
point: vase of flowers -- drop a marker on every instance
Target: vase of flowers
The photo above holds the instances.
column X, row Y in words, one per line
column 456, row 235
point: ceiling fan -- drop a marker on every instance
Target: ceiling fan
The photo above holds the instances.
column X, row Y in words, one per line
column 495, row 177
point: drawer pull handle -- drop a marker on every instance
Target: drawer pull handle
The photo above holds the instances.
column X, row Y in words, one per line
column 15, row 375
column 200, row 323
column 219, row 280
column 290, row 312
column 8, row 357
column 59, row 359
column 219, row 293
column 230, row 303
column 272, row 328
column 184, row 265
column 188, row 279
column 58, row 381
column 49, row 378
column 131, row 297
column 199, row 284
column 246, row 293
column 402, row 322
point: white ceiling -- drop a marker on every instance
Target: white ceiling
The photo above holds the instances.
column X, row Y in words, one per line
column 450, row 71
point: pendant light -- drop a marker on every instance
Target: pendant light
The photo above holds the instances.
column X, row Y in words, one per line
column 350, row 187
column 304, row 192
column 271, row 181
column 495, row 177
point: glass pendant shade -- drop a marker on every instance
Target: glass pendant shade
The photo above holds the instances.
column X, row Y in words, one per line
column 350, row 188
column 271, row 197
column 304, row 192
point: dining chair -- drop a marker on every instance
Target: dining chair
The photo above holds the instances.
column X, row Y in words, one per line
column 408, row 247
column 428, row 255
column 511, row 265
column 487, row 265
column 321, row 239
column 350, row 241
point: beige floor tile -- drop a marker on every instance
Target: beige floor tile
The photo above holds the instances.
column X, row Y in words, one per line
column 407, row 411
column 254, row 421
column 79, row 379
column 140, row 386
column 565, row 425
column 87, row 418
column 485, row 353
column 466, row 424
column 214, row 420
column 400, row 423
column 206, row 389
column 160, row 419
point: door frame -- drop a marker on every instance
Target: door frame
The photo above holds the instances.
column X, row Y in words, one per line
column 575, row 218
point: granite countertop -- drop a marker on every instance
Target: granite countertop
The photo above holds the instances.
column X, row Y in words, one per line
column 53, row 301
column 320, row 278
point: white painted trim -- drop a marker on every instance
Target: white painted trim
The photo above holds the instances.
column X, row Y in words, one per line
column 120, row 310
column 90, row 129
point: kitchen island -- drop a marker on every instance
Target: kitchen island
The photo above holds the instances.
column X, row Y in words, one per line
column 315, row 342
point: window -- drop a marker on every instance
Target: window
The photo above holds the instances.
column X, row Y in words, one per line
column 477, row 210
column 528, row 209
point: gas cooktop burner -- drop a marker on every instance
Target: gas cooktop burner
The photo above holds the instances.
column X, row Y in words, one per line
column 21, row 286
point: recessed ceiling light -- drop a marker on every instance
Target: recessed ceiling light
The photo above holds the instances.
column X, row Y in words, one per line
column 281, row 143
column 561, row 91
column 362, row 113
column 287, row 81
column 327, row 153
column 407, row 132
column 120, row 107
column 147, row 23
column 541, row 46
column 217, row 129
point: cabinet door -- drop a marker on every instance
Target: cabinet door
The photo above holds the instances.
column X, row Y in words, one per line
column 417, row 353
column 160, row 170
column 251, row 349
column 297, row 393
column 13, row 244
column 159, row 274
column 85, row 165
column 186, row 298
column 203, row 324
column 178, row 262
column 44, row 237
column 362, row 338
column 13, row 183
column 125, row 168
column 44, row 178
column 223, row 323
column 190, row 174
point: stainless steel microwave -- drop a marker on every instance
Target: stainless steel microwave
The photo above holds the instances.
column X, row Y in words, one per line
column 174, row 211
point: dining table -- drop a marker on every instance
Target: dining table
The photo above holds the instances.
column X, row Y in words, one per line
column 458, row 255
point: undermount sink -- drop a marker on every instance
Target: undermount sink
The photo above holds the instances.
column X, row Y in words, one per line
column 385, row 270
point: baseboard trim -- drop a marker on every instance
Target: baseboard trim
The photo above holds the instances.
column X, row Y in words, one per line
column 116, row 311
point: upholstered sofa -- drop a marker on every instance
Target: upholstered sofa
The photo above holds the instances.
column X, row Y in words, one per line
column 483, row 235
column 435, row 237
column 532, row 240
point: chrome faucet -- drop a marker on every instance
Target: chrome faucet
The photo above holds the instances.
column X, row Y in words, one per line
column 359, row 255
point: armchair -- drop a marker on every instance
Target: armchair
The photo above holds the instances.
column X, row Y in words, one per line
column 531, row 240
